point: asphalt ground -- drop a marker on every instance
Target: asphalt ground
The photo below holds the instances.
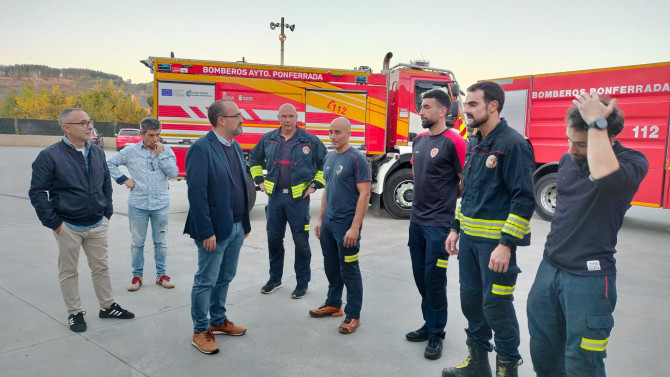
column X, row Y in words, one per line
column 282, row 340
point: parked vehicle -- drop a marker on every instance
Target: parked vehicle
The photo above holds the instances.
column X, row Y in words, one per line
column 97, row 138
column 383, row 109
column 126, row 137
column 536, row 106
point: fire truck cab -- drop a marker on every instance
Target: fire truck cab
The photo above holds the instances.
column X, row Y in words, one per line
column 382, row 107
column 536, row 106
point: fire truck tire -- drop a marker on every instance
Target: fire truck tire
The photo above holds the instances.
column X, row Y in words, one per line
column 545, row 196
column 251, row 191
column 399, row 193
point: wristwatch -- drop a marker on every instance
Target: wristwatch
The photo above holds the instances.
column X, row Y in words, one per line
column 599, row 123
column 313, row 185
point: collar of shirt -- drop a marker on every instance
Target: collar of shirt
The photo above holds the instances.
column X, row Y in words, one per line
column 67, row 141
column 222, row 140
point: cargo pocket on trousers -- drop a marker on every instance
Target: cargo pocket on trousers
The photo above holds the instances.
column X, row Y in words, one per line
column 597, row 335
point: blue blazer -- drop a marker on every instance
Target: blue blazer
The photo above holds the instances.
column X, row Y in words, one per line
column 211, row 190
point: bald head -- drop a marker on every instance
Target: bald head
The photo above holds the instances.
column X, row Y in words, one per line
column 342, row 121
column 287, row 107
column 288, row 120
column 340, row 132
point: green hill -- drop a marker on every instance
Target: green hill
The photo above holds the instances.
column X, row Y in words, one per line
column 72, row 81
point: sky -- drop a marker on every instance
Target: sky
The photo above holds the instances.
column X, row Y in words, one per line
column 475, row 39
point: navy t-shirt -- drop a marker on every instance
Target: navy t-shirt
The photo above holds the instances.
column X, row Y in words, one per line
column 436, row 160
column 342, row 172
column 589, row 213
column 284, row 178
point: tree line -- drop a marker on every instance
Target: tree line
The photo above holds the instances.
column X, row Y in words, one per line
column 105, row 102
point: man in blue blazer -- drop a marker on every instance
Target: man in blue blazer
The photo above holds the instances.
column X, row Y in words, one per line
column 218, row 221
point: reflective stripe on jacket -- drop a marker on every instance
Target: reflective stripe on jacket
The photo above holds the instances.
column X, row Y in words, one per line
column 498, row 194
column 306, row 161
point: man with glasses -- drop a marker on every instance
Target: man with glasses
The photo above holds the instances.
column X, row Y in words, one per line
column 294, row 162
column 150, row 164
column 71, row 192
column 218, row 221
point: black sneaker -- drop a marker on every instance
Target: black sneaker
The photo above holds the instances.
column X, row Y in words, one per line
column 76, row 321
column 434, row 347
column 270, row 287
column 419, row 335
column 115, row 311
column 300, row 291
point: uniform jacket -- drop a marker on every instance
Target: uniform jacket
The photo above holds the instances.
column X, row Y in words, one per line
column 498, row 195
column 306, row 161
column 211, row 190
column 62, row 189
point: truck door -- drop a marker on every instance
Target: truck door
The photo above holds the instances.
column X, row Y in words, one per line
column 323, row 106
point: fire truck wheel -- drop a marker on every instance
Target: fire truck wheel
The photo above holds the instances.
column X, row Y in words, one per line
column 545, row 196
column 251, row 191
column 399, row 193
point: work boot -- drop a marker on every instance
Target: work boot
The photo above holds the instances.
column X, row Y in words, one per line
column 507, row 368
column 420, row 335
column 434, row 348
column 475, row 365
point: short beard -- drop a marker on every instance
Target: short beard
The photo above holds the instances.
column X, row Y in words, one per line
column 427, row 123
column 478, row 122
column 238, row 131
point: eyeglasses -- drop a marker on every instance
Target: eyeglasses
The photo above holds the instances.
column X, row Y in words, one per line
column 238, row 115
column 84, row 123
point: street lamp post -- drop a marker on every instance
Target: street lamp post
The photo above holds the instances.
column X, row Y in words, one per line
column 282, row 36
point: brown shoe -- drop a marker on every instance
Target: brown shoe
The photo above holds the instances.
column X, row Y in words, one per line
column 164, row 281
column 135, row 284
column 326, row 311
column 205, row 342
column 228, row 328
column 349, row 325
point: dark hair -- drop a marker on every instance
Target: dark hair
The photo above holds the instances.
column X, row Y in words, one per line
column 216, row 109
column 149, row 123
column 440, row 97
column 614, row 121
column 492, row 92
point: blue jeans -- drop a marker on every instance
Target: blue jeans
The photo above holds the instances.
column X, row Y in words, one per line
column 138, row 220
column 282, row 208
column 341, row 266
column 487, row 298
column 216, row 269
column 429, row 266
column 570, row 320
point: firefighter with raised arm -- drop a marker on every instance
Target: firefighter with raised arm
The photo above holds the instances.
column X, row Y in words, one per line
column 492, row 219
column 293, row 159
column 571, row 302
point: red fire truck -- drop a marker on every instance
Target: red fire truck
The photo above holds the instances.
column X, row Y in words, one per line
column 536, row 106
column 382, row 107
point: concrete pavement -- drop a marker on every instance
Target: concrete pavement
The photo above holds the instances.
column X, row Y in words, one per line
column 282, row 340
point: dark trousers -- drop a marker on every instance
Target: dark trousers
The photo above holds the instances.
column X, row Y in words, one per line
column 570, row 320
column 487, row 298
column 341, row 266
column 429, row 266
column 282, row 208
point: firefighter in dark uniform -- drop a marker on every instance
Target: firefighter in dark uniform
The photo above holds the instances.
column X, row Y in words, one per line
column 437, row 163
column 492, row 219
column 294, row 163
column 573, row 297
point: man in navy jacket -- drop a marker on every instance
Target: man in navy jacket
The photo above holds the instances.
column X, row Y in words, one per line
column 71, row 191
column 218, row 221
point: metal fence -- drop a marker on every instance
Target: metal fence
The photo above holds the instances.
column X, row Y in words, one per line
column 51, row 127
